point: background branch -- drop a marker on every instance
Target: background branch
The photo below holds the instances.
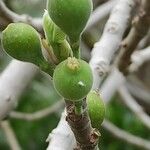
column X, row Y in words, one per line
column 136, row 33
column 100, row 13
column 138, row 58
column 13, row 17
column 10, row 135
column 13, row 82
column 113, row 32
column 125, row 136
column 134, row 106
column 37, row 115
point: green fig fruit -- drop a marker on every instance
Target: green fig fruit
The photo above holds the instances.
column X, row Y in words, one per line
column 22, row 42
column 96, row 109
column 73, row 79
column 70, row 15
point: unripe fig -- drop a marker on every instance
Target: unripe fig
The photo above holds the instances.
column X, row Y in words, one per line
column 73, row 79
column 70, row 15
column 22, row 42
column 96, row 109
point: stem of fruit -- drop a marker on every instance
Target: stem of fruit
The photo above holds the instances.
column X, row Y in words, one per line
column 75, row 45
column 78, row 107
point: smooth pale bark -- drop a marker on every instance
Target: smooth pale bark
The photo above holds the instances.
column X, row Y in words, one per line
column 13, row 81
column 109, row 43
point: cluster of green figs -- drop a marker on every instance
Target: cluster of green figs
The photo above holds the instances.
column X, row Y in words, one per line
column 63, row 24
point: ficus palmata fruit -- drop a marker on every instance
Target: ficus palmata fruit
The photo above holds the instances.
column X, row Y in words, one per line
column 96, row 108
column 70, row 15
column 22, row 42
column 73, row 79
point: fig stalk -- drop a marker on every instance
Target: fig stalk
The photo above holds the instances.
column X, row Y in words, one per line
column 78, row 108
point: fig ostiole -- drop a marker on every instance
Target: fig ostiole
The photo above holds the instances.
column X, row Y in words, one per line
column 73, row 79
column 22, row 42
column 96, row 108
column 70, row 15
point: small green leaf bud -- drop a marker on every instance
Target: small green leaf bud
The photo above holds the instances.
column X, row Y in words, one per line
column 56, row 38
column 52, row 32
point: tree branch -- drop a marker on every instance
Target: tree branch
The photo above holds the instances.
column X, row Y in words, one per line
column 37, row 115
column 13, row 82
column 61, row 138
column 136, row 33
column 134, row 106
column 10, row 135
column 100, row 13
column 125, row 136
column 86, row 137
column 114, row 80
column 13, row 17
column 64, row 133
column 138, row 58
column 139, row 90
column 105, row 48
column 144, row 42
